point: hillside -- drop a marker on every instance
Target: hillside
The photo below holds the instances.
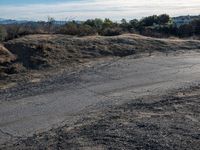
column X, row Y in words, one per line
column 39, row 52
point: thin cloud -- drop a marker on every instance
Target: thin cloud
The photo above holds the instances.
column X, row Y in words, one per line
column 115, row 9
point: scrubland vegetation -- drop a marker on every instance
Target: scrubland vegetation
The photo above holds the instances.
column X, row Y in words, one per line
column 41, row 45
column 156, row 26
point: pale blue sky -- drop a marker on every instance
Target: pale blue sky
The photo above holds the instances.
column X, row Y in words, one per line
column 17, row 2
column 84, row 9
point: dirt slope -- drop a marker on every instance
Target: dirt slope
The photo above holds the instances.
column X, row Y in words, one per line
column 37, row 52
column 6, row 61
column 5, row 55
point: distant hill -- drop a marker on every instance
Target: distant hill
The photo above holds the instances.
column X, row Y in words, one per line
column 181, row 20
column 11, row 21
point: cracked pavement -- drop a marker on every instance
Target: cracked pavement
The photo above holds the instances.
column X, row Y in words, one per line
column 114, row 83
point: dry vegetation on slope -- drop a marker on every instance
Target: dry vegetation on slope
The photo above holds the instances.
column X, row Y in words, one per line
column 5, row 55
column 6, row 60
column 37, row 52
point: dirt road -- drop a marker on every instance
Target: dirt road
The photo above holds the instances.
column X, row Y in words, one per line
column 112, row 83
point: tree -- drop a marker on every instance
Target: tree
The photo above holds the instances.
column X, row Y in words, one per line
column 125, row 25
column 107, row 23
column 123, row 21
column 3, row 33
column 90, row 22
column 71, row 28
column 95, row 23
column 134, row 23
column 50, row 22
column 163, row 19
column 149, row 21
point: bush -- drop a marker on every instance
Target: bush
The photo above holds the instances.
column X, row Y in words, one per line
column 18, row 30
column 149, row 21
column 163, row 19
column 126, row 26
column 85, row 30
column 12, row 31
column 3, row 33
column 70, row 29
column 196, row 26
column 134, row 23
column 108, row 24
column 94, row 23
column 111, row 31
column 26, row 29
column 156, row 25
column 77, row 29
column 185, row 30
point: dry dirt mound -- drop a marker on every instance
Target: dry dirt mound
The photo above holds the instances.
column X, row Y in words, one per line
column 8, row 63
column 20, row 57
column 39, row 51
column 5, row 56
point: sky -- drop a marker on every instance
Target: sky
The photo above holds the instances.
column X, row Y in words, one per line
column 85, row 9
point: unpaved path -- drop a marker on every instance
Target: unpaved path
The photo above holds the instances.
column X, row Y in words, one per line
column 114, row 83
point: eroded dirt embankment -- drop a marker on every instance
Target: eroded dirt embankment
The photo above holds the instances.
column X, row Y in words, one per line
column 39, row 52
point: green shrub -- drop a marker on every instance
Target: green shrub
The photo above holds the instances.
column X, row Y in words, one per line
column 85, row 30
column 77, row 29
column 94, row 23
column 69, row 29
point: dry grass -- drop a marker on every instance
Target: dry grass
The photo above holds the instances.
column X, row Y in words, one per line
column 5, row 55
column 53, row 50
column 36, row 52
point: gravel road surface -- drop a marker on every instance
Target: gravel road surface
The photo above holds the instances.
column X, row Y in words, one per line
column 38, row 108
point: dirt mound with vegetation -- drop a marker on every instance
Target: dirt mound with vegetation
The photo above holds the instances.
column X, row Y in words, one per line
column 39, row 52
column 7, row 60
column 5, row 55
